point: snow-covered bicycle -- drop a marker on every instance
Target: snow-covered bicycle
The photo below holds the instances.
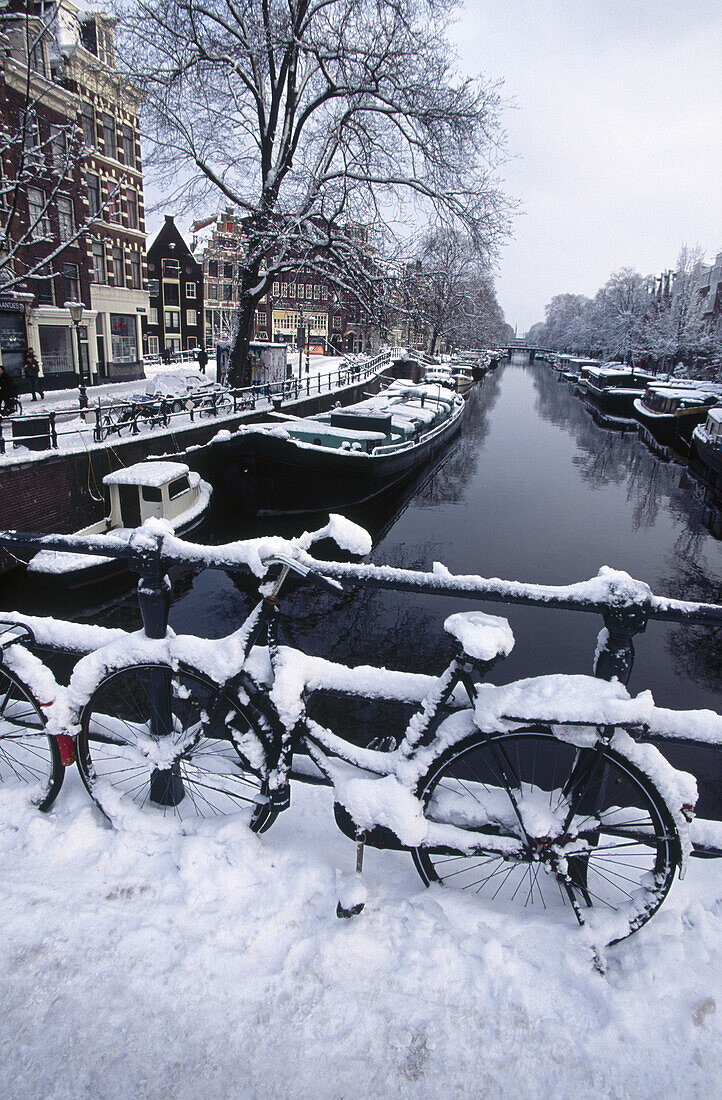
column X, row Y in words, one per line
column 534, row 793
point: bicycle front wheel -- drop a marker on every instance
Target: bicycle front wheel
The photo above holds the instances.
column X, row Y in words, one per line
column 594, row 831
column 29, row 757
column 170, row 741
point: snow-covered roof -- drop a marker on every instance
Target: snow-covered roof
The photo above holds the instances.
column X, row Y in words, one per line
column 147, row 473
column 715, row 415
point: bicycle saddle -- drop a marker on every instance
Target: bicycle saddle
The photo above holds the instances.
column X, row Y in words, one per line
column 482, row 637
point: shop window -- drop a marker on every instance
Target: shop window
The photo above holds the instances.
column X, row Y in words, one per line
column 123, row 338
column 56, row 349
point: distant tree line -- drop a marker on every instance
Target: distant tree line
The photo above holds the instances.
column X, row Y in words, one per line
column 632, row 318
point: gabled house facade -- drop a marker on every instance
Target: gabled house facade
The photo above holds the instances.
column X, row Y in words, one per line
column 175, row 319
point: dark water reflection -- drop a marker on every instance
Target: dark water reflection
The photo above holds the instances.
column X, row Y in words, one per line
column 532, row 489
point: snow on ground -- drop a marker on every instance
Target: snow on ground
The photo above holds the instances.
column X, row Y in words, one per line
column 213, row 965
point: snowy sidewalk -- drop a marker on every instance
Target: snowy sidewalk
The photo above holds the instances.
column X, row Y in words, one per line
column 213, row 965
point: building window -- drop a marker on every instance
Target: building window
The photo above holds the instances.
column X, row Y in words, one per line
column 128, row 146
column 93, row 194
column 87, row 121
column 109, row 143
column 118, row 266
column 122, row 338
column 99, row 272
column 284, row 290
column 213, row 291
column 43, row 287
column 213, row 268
column 66, row 225
column 135, row 270
column 153, row 287
column 171, row 269
column 171, row 294
column 152, row 316
column 317, row 291
column 55, row 349
column 275, row 290
column 153, row 343
column 31, row 133
column 71, row 283
column 325, row 292
column 190, row 290
column 39, row 226
column 228, row 292
column 171, row 318
column 104, row 39
column 192, row 342
column 228, row 271
column 191, row 317
column 59, row 146
column 131, row 205
column 113, row 208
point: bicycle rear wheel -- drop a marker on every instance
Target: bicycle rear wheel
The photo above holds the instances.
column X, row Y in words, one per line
column 29, row 757
column 594, row 830
column 170, row 741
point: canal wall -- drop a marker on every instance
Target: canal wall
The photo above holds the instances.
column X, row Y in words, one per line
column 62, row 491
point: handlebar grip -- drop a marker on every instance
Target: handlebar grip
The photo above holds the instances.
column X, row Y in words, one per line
column 324, row 582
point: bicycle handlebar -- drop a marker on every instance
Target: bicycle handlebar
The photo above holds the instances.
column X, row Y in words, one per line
column 304, row 571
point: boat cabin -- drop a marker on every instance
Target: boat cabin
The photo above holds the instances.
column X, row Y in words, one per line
column 608, row 377
column 713, row 426
column 671, row 397
column 161, row 490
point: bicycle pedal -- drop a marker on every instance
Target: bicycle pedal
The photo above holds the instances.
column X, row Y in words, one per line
column 354, row 910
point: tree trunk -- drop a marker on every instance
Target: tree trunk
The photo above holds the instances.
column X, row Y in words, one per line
column 239, row 368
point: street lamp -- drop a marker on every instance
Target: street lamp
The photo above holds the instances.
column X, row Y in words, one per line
column 76, row 312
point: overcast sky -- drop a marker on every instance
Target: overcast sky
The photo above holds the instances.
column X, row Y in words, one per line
column 616, row 135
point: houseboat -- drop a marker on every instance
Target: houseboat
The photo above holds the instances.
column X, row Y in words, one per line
column 462, row 372
column 705, row 458
column 162, row 490
column 669, row 411
column 337, row 459
column 612, row 390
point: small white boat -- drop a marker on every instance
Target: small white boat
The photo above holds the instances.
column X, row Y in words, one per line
column 159, row 490
column 439, row 375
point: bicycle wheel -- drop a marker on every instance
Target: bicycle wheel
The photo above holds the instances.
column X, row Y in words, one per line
column 28, row 755
column 170, row 741
column 594, row 831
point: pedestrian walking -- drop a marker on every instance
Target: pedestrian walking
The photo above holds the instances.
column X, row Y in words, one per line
column 7, row 391
column 202, row 360
column 31, row 370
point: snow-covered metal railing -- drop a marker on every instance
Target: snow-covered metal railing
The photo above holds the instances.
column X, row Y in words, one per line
column 51, row 430
column 626, row 606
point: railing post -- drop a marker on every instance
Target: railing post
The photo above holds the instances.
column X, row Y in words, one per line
column 53, row 432
column 615, row 647
column 2, row 438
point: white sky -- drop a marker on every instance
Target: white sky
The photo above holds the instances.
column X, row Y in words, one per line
column 616, row 134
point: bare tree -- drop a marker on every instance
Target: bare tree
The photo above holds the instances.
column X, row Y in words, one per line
column 316, row 118
column 447, row 291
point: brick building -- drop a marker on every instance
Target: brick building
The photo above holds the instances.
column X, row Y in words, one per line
column 75, row 85
column 175, row 286
column 333, row 321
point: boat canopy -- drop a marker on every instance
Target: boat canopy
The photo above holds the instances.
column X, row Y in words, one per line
column 147, row 473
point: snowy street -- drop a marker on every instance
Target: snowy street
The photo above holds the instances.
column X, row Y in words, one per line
column 213, row 965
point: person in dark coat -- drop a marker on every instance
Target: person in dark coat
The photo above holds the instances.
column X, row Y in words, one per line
column 202, row 360
column 31, row 370
column 7, row 391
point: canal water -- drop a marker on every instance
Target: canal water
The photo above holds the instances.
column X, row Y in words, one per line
column 532, row 489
